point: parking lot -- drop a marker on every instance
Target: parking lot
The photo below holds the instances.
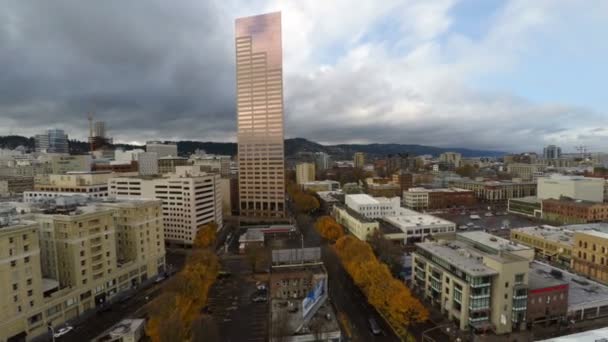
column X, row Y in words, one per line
column 231, row 305
column 497, row 222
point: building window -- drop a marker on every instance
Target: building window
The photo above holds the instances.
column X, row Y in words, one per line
column 507, row 284
column 29, row 281
column 13, row 263
column 15, row 287
column 27, row 259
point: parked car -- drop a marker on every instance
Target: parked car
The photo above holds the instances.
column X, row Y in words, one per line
column 62, row 331
column 488, row 214
column 463, row 227
column 374, row 327
column 159, row 279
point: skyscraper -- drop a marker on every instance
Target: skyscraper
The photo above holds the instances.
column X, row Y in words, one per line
column 259, row 84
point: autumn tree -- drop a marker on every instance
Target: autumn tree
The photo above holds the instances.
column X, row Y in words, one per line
column 206, row 235
column 466, row 170
column 305, row 203
column 388, row 295
column 328, row 228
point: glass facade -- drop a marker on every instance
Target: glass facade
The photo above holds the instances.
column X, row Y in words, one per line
column 259, row 78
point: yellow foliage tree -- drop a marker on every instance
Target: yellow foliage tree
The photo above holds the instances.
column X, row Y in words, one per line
column 328, row 228
column 385, row 293
column 206, row 235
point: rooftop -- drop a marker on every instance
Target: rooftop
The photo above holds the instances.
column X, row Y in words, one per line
column 354, row 213
column 460, row 256
column 596, row 335
column 529, row 199
column 493, row 182
column 492, row 241
column 541, row 280
column 561, row 235
column 410, row 218
column 582, row 293
column 363, row 199
column 420, row 189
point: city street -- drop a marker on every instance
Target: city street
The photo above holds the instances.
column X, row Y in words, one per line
column 133, row 307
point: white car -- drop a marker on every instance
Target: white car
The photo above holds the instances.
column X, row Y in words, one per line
column 63, row 331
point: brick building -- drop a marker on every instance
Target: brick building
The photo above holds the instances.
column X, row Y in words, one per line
column 547, row 297
column 568, row 211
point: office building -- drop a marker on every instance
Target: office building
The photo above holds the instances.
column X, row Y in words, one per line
column 480, row 281
column 213, row 163
column 147, row 162
column 527, row 172
column 422, row 199
column 496, row 191
column 451, row 159
column 66, row 163
column 359, row 159
column 305, row 172
column 404, row 179
column 382, row 187
column 322, row 161
column 189, row 201
column 169, row 163
column 65, row 259
column 259, row 78
column 552, row 152
column 52, row 141
column 413, row 226
column 575, row 187
column 162, row 149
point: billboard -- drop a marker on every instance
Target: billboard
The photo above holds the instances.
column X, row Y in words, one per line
column 313, row 296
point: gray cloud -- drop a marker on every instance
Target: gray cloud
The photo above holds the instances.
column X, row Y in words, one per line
column 165, row 69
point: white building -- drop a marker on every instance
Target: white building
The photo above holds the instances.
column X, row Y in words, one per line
column 416, row 225
column 147, row 162
column 575, row 187
column 190, row 200
column 373, row 207
column 162, row 150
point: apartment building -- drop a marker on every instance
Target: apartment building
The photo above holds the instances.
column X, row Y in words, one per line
column 76, row 258
column 421, row 198
column 590, row 253
column 496, row 191
column 305, row 172
column 479, row 281
column 188, row 200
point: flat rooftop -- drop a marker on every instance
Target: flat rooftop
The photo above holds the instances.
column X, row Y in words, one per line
column 494, row 182
column 413, row 219
column 528, row 199
column 354, row 213
column 364, row 199
column 492, row 241
column 582, row 293
column 420, row 189
column 541, row 280
column 460, row 256
column 596, row 335
column 561, row 235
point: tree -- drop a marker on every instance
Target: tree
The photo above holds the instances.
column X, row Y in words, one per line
column 466, row 170
column 328, row 228
column 257, row 256
column 305, row 203
column 206, row 235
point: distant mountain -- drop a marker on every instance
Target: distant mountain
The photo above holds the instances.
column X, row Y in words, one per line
column 292, row 147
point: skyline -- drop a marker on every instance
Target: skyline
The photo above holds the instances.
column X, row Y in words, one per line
column 403, row 72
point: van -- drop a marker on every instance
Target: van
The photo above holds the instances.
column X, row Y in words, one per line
column 373, row 326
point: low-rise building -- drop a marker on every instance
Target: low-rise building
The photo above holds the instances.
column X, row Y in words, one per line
column 575, row 187
column 324, row 185
column 373, row 207
column 478, row 287
column 416, row 226
column 529, row 206
column 93, row 184
column 356, row 223
column 570, row 211
column 168, row 164
column 547, row 297
column 15, row 185
column 422, row 198
column 552, row 243
column 382, row 187
column 590, row 253
column 526, row 172
column 299, row 307
column 496, row 191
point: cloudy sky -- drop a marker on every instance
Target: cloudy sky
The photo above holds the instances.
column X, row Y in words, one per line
column 490, row 74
